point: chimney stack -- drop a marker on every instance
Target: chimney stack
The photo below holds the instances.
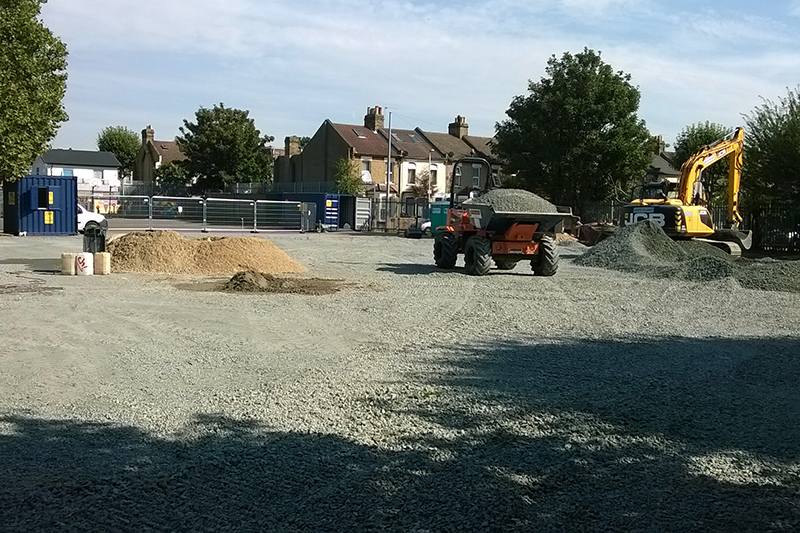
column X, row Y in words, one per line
column 458, row 128
column 374, row 118
column 292, row 145
column 148, row 134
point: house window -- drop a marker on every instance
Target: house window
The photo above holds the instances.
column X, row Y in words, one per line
column 98, row 174
column 396, row 137
column 366, row 165
column 414, row 138
column 476, row 175
column 433, row 172
column 412, row 176
column 66, row 172
column 457, row 179
column 359, row 133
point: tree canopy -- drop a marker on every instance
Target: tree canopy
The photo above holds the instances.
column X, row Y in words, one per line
column 772, row 154
column 33, row 81
column 694, row 138
column 576, row 137
column 124, row 143
column 223, row 147
column 348, row 176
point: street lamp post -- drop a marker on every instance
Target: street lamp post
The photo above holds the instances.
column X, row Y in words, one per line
column 430, row 174
column 388, row 171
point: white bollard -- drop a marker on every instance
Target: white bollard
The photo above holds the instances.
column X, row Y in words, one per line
column 84, row 264
column 68, row 264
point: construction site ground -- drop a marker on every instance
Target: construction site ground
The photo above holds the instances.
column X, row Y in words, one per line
column 397, row 396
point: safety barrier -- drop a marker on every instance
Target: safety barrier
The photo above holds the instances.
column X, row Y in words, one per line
column 200, row 214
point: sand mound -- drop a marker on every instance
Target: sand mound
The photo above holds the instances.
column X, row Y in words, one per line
column 645, row 248
column 252, row 281
column 167, row 252
column 514, row 201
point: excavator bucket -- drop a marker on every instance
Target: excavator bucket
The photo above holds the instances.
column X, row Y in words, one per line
column 743, row 238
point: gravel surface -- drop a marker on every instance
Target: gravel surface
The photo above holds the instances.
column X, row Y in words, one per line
column 514, row 201
column 644, row 248
column 413, row 399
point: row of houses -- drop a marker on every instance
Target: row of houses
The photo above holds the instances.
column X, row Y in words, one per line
column 413, row 156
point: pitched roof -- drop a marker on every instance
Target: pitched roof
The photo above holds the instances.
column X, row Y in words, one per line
column 482, row 145
column 412, row 142
column 363, row 140
column 664, row 166
column 446, row 143
column 169, row 151
column 80, row 158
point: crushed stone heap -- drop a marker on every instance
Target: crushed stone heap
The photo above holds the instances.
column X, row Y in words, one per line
column 644, row 248
column 167, row 252
column 514, row 201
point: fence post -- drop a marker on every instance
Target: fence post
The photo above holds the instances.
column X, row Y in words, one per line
column 205, row 216
column 255, row 217
column 150, row 212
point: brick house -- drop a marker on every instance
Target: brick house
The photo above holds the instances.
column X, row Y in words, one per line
column 414, row 152
column 152, row 154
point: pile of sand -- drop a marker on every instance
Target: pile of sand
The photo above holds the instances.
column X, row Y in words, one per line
column 645, row 248
column 167, row 252
column 514, row 201
column 252, row 281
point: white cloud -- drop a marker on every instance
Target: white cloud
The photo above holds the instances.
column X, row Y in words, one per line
column 295, row 65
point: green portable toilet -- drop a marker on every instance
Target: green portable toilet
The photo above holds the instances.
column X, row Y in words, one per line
column 438, row 215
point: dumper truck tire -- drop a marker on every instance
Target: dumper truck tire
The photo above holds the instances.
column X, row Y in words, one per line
column 505, row 264
column 546, row 263
column 478, row 256
column 445, row 250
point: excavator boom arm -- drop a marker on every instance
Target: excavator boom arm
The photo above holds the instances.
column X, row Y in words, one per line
column 692, row 169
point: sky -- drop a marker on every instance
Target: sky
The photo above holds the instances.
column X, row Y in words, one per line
column 293, row 64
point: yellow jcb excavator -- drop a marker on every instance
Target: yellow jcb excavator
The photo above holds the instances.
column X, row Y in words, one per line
column 681, row 208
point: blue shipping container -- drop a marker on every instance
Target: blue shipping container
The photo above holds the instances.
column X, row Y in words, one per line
column 41, row 205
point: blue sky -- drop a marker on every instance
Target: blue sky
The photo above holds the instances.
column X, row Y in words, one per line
column 295, row 64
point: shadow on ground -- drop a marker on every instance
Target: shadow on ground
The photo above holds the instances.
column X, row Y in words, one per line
column 561, row 436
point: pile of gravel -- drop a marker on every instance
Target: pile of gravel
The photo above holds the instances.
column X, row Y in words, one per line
column 514, row 201
column 645, row 248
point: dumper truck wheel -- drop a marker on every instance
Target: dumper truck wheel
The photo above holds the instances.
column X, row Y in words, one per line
column 478, row 256
column 505, row 264
column 445, row 250
column 546, row 263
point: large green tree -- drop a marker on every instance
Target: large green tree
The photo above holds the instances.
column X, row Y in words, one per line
column 772, row 154
column 694, row 138
column 223, row 147
column 576, row 137
column 124, row 143
column 33, row 81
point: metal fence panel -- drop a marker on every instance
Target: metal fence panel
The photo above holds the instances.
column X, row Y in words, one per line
column 272, row 214
column 229, row 212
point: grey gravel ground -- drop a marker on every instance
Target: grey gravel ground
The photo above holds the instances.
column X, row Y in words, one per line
column 415, row 400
